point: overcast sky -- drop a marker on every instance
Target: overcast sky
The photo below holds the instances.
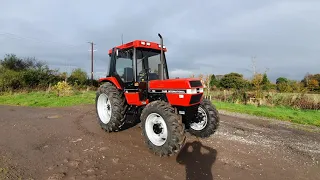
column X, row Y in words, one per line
column 215, row 36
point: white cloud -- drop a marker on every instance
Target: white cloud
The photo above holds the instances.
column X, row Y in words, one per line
column 208, row 37
column 180, row 73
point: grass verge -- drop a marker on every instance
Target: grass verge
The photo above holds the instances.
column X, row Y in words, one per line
column 43, row 99
column 310, row 117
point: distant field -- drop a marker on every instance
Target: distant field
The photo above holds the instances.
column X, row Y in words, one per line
column 270, row 99
column 311, row 117
column 44, row 99
column 313, row 97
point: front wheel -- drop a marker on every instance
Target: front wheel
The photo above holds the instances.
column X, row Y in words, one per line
column 162, row 128
column 206, row 121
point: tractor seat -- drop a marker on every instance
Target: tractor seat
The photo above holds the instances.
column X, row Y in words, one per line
column 153, row 76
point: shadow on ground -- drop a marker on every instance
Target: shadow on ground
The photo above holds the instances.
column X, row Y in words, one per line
column 198, row 160
column 130, row 122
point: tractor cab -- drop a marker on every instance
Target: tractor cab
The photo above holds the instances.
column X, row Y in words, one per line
column 137, row 62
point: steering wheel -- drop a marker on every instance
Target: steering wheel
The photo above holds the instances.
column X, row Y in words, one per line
column 143, row 74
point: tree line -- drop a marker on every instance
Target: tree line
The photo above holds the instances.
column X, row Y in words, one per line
column 260, row 91
column 236, row 81
column 29, row 73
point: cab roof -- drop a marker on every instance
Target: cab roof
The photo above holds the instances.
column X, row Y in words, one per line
column 140, row 44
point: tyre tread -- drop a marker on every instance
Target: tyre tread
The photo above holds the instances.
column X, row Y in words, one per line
column 213, row 121
column 119, row 107
column 176, row 136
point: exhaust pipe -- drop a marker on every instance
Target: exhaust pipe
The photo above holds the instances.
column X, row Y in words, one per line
column 160, row 67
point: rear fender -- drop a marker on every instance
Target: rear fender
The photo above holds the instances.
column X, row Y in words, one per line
column 113, row 80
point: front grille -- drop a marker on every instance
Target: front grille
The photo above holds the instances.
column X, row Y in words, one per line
column 195, row 83
column 195, row 98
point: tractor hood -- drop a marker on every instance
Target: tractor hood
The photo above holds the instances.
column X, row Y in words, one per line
column 175, row 84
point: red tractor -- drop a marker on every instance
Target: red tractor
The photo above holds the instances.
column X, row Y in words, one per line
column 138, row 83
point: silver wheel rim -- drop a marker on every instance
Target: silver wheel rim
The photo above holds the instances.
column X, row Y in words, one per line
column 203, row 123
column 104, row 108
column 156, row 129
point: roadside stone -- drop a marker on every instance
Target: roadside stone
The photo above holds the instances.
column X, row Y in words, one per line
column 239, row 132
column 115, row 160
column 77, row 140
column 90, row 171
column 92, row 177
column 167, row 177
column 131, row 165
column 53, row 117
column 86, row 162
column 57, row 176
column 73, row 164
column 103, row 149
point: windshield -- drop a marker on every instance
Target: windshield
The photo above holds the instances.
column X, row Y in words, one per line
column 148, row 59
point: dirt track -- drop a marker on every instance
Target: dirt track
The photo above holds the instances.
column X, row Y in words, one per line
column 67, row 143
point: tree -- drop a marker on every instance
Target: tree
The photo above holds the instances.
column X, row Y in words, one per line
column 265, row 82
column 17, row 73
column 201, row 76
column 317, row 77
column 12, row 62
column 296, row 86
column 202, row 79
column 281, row 80
column 313, row 85
column 214, row 82
column 64, row 75
column 311, row 81
column 10, row 80
column 283, row 85
column 257, row 82
column 306, row 79
column 232, row 81
column 78, row 76
column 207, row 83
column 265, row 79
column 40, row 77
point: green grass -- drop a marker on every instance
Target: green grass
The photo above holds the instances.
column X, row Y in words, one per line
column 310, row 117
column 43, row 99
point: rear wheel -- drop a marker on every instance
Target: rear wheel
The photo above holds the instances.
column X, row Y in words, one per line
column 110, row 107
column 163, row 129
column 206, row 121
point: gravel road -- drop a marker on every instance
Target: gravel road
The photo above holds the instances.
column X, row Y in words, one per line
column 67, row 143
